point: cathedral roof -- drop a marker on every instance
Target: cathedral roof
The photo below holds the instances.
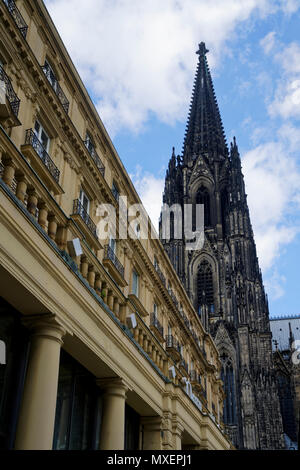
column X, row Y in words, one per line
column 282, row 327
column 204, row 131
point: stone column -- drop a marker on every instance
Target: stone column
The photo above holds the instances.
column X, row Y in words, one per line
column 152, row 433
column 37, row 413
column 113, row 420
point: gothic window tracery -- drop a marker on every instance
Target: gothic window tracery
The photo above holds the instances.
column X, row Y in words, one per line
column 203, row 198
column 227, row 376
column 205, row 287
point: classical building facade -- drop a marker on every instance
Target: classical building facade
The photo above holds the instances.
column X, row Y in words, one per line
column 100, row 345
column 286, row 351
column 221, row 275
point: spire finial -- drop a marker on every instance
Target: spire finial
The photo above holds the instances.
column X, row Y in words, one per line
column 202, row 49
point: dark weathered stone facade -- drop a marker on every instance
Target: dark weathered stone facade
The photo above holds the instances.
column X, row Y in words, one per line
column 223, row 278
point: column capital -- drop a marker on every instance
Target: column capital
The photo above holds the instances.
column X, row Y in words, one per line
column 113, row 386
column 46, row 326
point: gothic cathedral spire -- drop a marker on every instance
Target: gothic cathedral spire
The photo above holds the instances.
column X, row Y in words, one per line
column 222, row 278
column 204, row 131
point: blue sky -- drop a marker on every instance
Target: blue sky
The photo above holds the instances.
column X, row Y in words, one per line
column 137, row 59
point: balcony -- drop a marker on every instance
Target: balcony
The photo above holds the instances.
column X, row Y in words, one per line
column 195, row 380
column 138, row 305
column 173, row 347
column 156, row 327
column 56, row 87
column 183, row 366
column 11, row 97
column 160, row 274
column 173, row 297
column 114, row 266
column 39, row 159
column 86, row 224
column 16, row 15
column 95, row 156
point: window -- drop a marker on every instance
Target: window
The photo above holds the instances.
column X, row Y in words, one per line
column 12, row 373
column 89, row 143
column 135, row 283
column 137, row 230
column 155, row 311
column 203, row 198
column 112, row 244
column 78, row 408
column 205, row 287
column 85, row 202
column 42, row 136
column 50, row 75
column 227, row 376
column 132, row 428
column 169, row 330
column 115, row 191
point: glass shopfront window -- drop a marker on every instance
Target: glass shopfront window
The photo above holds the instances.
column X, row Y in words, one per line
column 132, row 429
column 14, row 337
column 78, row 408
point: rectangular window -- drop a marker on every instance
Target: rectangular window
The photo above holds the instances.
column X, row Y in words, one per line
column 85, row 202
column 51, row 75
column 89, row 143
column 115, row 191
column 112, row 244
column 135, row 283
column 78, row 408
column 155, row 310
column 42, row 135
column 137, row 230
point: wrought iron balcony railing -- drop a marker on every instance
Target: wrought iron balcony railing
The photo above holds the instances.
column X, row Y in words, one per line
column 95, row 156
column 173, row 297
column 10, row 93
column 56, row 87
column 78, row 209
column 16, row 15
column 154, row 322
column 184, row 365
column 159, row 272
column 109, row 254
column 171, row 342
column 31, row 139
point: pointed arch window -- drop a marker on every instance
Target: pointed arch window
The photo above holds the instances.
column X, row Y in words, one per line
column 224, row 209
column 205, row 286
column 172, row 225
column 204, row 198
column 227, row 376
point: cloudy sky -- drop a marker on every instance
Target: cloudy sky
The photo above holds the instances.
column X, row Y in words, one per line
column 137, row 60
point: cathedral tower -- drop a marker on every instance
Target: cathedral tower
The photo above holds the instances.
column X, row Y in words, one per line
column 222, row 277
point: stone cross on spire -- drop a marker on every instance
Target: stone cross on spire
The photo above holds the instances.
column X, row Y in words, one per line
column 202, row 49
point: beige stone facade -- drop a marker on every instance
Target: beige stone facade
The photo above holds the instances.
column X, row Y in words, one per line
column 58, row 165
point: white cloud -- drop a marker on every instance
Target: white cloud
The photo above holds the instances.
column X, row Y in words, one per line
column 286, row 101
column 137, row 58
column 268, row 42
column 275, row 285
column 273, row 186
column 150, row 189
